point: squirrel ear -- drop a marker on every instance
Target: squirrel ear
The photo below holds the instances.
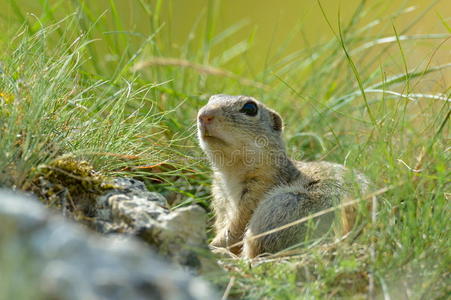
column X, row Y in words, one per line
column 277, row 122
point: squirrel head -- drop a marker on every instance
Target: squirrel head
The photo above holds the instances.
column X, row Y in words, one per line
column 238, row 126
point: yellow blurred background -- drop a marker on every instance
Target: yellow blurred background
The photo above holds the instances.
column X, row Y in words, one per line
column 265, row 24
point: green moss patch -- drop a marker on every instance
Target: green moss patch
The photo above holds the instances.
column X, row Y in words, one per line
column 70, row 185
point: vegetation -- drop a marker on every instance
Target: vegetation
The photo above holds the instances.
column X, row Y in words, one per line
column 74, row 81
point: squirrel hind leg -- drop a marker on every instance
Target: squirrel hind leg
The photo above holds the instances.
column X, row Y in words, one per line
column 273, row 212
column 276, row 211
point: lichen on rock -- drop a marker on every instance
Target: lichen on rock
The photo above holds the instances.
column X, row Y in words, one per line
column 179, row 234
column 70, row 185
column 124, row 206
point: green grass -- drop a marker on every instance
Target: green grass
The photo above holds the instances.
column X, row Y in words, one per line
column 74, row 80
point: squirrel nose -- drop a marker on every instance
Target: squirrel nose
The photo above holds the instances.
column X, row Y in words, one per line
column 206, row 119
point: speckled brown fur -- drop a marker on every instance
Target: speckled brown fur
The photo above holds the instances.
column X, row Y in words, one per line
column 256, row 187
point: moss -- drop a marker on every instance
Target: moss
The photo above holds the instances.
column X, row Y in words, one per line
column 71, row 186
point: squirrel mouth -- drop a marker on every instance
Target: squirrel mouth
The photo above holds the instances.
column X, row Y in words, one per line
column 205, row 133
column 209, row 137
column 214, row 141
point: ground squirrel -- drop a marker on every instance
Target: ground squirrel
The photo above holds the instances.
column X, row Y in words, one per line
column 256, row 186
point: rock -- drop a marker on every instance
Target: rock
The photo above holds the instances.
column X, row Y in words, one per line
column 133, row 187
column 179, row 234
column 49, row 257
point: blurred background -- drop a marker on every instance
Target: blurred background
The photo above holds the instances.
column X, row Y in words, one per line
column 258, row 31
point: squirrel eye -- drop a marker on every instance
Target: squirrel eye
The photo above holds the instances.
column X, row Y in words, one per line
column 250, row 109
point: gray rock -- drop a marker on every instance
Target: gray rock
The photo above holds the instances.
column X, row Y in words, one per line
column 179, row 234
column 48, row 257
column 133, row 187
